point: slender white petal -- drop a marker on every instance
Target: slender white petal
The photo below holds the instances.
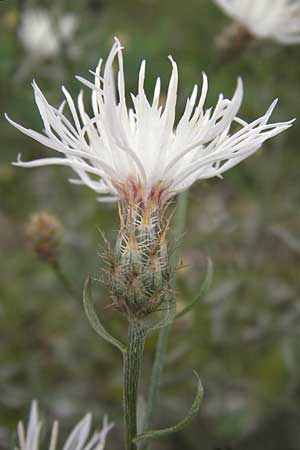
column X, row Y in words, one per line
column 54, row 436
column 138, row 153
column 274, row 19
column 34, row 427
column 77, row 440
column 21, row 436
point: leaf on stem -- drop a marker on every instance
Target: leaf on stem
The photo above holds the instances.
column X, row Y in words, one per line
column 203, row 290
column 156, row 434
column 94, row 319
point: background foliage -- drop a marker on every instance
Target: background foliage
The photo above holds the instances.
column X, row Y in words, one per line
column 243, row 338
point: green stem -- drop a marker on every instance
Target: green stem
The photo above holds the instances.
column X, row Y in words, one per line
column 162, row 342
column 63, row 279
column 161, row 349
column 132, row 368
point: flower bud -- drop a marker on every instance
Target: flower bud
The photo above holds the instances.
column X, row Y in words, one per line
column 44, row 232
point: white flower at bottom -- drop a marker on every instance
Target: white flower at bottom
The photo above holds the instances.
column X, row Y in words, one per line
column 42, row 35
column 138, row 154
column 78, row 439
column 274, row 19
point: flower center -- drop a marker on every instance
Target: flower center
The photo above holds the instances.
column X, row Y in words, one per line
column 146, row 198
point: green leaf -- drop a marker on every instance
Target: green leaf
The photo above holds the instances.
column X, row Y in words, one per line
column 94, row 319
column 156, row 434
column 203, row 290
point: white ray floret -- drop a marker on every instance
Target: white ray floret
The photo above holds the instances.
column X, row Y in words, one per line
column 79, row 438
column 138, row 153
column 274, row 19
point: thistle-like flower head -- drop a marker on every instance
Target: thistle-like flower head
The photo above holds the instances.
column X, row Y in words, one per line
column 78, row 439
column 139, row 155
column 275, row 19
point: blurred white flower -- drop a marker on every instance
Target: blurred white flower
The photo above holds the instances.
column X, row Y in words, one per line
column 137, row 154
column 42, row 35
column 78, row 439
column 274, row 19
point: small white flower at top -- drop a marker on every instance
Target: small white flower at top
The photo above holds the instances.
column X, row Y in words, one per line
column 43, row 35
column 78, row 439
column 273, row 19
column 138, row 154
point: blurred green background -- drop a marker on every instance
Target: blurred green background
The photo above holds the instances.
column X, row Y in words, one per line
column 243, row 338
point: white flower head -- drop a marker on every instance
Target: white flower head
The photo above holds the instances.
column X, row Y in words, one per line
column 79, row 438
column 138, row 154
column 43, row 35
column 274, row 19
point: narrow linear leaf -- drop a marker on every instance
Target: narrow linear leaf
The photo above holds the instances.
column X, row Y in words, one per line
column 94, row 319
column 156, row 434
column 203, row 290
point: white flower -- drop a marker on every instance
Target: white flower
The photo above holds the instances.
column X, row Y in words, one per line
column 274, row 19
column 42, row 35
column 78, row 439
column 137, row 154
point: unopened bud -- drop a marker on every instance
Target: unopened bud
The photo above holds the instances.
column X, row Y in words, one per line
column 44, row 232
